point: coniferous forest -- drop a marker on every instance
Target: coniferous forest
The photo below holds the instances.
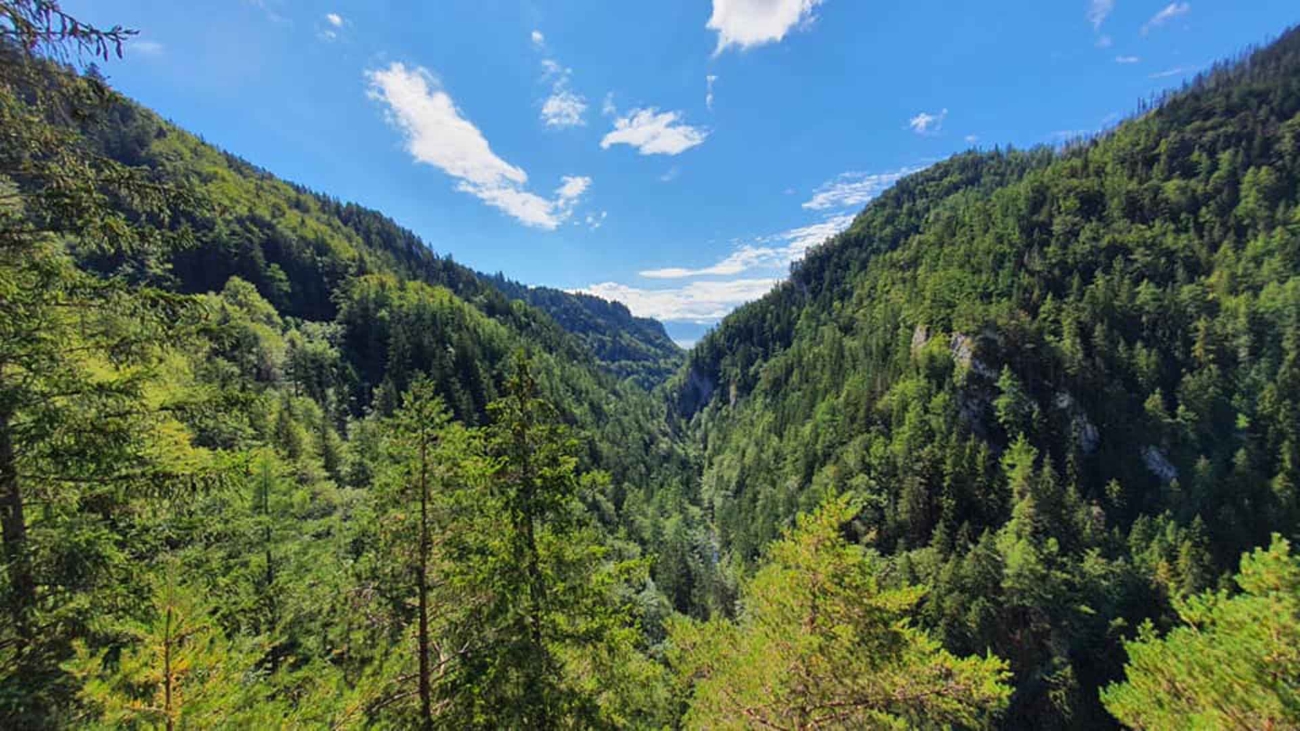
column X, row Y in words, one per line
column 1019, row 449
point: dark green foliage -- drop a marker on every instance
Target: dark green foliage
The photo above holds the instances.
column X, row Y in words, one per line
column 631, row 347
column 299, row 248
column 820, row 644
column 198, row 364
column 1233, row 661
column 1117, row 323
column 1056, row 390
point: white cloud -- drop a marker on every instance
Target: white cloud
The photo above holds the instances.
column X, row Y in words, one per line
column 145, row 48
column 748, row 23
column 1127, row 59
column 271, row 13
column 708, row 301
column 1105, row 42
column 329, row 30
column 594, row 222
column 539, row 40
column 670, row 175
column 438, row 134
column 1176, row 71
column 654, row 133
column 698, row 302
column 925, row 123
column 1170, row 12
column 1098, row 10
column 855, row 189
column 572, row 187
column 708, row 91
column 607, row 108
column 774, row 252
column 972, row 139
column 563, row 108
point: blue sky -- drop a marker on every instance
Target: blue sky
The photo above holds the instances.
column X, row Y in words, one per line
column 675, row 154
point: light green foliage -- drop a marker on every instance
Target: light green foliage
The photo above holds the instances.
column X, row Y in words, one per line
column 548, row 641
column 820, row 643
column 1058, row 387
column 174, row 669
column 1119, row 317
column 1233, row 662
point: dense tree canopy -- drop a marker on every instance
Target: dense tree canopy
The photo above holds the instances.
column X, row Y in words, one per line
column 1062, row 383
column 819, row 643
column 1234, row 661
column 265, row 458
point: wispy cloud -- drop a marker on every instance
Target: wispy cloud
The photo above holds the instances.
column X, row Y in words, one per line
column 145, row 47
column 594, row 221
column 438, row 134
column 1127, row 59
column 1098, row 11
column 330, row 26
column 564, row 107
column 972, row 139
column 709, row 81
column 697, row 302
column 925, row 123
column 854, row 189
column 653, row 132
column 754, row 267
column 1104, row 42
column 1176, row 71
column 748, row 23
column 751, row 270
column 670, row 175
column 270, row 9
column 1170, row 12
column 775, row 252
column 573, row 186
column 1068, row 135
column 539, row 40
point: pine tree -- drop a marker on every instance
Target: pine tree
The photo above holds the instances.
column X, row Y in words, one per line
column 547, row 641
column 1234, row 662
column 819, row 642
column 75, row 348
column 173, row 669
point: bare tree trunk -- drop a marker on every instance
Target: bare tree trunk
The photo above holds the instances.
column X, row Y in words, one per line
column 272, row 605
column 13, row 525
column 167, row 671
column 422, row 580
column 533, row 573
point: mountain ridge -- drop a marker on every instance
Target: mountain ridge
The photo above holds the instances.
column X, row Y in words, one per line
column 1051, row 377
column 625, row 346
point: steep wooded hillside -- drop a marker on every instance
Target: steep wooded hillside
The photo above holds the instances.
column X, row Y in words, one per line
column 1065, row 384
column 298, row 247
column 631, row 347
column 250, row 436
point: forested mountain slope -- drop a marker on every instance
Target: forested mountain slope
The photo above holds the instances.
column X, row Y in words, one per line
column 636, row 347
column 249, row 436
column 1064, row 384
column 368, row 293
column 266, row 462
column 297, row 247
